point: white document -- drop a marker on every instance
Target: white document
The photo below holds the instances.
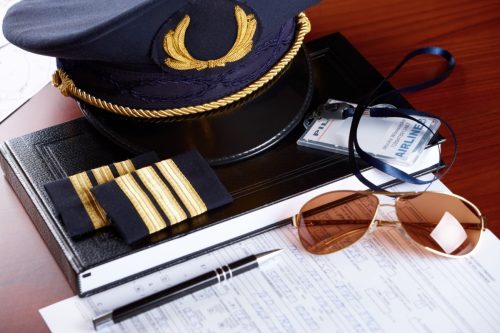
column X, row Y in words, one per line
column 383, row 283
column 22, row 73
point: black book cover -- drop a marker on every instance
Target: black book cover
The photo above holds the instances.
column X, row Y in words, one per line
column 284, row 170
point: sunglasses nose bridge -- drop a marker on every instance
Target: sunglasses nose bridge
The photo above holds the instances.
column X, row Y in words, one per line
column 387, row 205
column 386, row 223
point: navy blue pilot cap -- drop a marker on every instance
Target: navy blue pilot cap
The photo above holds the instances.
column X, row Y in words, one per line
column 161, row 58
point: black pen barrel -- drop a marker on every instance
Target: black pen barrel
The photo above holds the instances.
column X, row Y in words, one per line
column 243, row 265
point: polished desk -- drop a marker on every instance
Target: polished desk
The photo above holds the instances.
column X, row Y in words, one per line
column 384, row 31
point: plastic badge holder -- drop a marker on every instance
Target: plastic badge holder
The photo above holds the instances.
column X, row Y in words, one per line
column 396, row 141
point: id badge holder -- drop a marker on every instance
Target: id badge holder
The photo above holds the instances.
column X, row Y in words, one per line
column 398, row 141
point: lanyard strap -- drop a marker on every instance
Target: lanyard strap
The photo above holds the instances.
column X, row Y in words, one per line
column 399, row 112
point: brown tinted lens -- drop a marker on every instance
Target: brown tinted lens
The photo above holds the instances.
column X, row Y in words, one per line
column 441, row 222
column 335, row 220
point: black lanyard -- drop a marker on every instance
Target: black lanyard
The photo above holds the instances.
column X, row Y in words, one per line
column 354, row 146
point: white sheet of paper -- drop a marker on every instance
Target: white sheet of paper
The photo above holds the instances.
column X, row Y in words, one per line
column 23, row 75
column 384, row 283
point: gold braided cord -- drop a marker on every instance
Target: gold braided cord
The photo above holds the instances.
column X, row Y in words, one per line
column 180, row 58
column 67, row 87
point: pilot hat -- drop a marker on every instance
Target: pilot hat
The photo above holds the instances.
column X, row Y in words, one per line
column 161, row 59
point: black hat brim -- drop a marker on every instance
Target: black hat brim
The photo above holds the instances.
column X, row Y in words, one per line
column 224, row 135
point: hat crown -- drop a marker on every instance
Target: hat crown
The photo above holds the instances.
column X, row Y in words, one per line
column 168, row 57
column 123, row 31
column 212, row 28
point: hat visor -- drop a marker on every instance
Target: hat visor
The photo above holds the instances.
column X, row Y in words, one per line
column 225, row 135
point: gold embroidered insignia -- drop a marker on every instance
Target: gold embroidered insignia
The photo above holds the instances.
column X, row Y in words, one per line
column 181, row 59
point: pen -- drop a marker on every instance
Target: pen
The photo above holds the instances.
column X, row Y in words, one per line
column 187, row 287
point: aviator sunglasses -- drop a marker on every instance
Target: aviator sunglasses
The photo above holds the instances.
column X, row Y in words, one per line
column 445, row 224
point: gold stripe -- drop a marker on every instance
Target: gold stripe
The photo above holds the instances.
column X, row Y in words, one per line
column 67, row 87
column 162, row 194
column 141, row 202
column 124, row 167
column 82, row 185
column 182, row 187
column 103, row 174
column 164, row 169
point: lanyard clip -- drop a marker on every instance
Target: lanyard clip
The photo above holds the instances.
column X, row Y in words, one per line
column 335, row 109
column 340, row 110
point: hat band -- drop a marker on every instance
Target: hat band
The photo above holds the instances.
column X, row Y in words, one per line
column 67, row 87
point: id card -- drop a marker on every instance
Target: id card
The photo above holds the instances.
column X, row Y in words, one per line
column 394, row 140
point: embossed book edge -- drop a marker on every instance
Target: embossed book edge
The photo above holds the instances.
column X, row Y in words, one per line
column 38, row 215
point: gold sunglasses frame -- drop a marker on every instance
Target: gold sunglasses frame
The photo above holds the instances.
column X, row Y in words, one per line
column 382, row 223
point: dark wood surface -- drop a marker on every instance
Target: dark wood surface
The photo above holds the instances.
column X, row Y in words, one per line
column 384, row 31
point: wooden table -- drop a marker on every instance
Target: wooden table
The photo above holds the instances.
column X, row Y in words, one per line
column 384, row 31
